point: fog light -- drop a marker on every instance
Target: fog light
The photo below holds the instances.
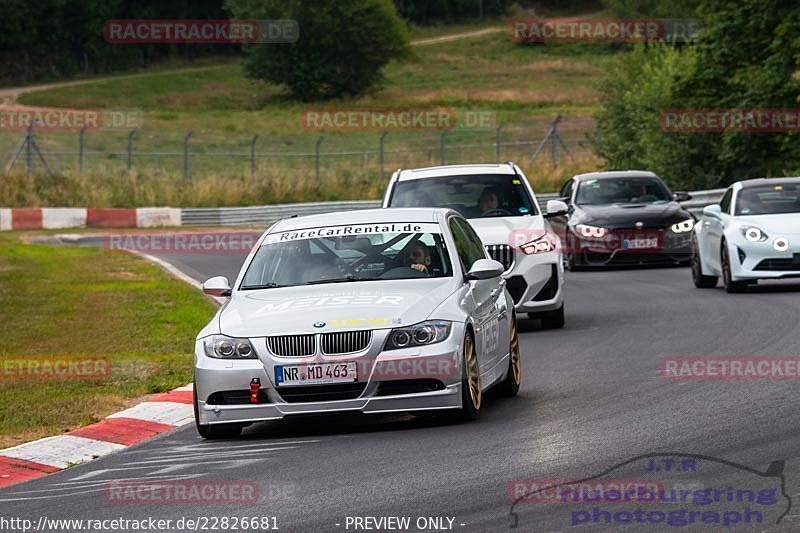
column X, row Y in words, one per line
column 781, row 244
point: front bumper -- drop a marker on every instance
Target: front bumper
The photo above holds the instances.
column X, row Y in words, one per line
column 429, row 379
column 535, row 282
column 615, row 249
column 760, row 260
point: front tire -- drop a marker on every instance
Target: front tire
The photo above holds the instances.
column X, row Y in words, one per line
column 510, row 386
column 700, row 280
column 471, row 393
column 218, row 431
column 727, row 280
column 551, row 319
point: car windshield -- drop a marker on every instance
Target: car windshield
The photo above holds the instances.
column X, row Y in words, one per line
column 622, row 191
column 769, row 199
column 476, row 196
column 348, row 254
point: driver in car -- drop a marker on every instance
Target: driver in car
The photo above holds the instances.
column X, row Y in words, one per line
column 418, row 257
column 488, row 200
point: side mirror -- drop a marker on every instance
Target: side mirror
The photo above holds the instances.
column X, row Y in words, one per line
column 217, row 286
column 485, row 269
column 556, row 208
column 713, row 210
column 681, row 196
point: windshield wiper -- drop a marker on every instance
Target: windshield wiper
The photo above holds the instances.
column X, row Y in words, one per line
column 350, row 277
column 270, row 285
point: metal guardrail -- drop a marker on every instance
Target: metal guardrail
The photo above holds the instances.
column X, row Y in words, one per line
column 264, row 215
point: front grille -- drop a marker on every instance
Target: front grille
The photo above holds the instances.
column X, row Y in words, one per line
column 777, row 264
column 321, row 393
column 292, row 345
column 345, row 342
column 502, row 253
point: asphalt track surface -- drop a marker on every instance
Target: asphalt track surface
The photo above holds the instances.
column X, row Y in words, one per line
column 591, row 399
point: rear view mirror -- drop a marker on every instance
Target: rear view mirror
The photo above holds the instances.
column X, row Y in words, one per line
column 682, row 196
column 485, row 269
column 713, row 210
column 217, row 286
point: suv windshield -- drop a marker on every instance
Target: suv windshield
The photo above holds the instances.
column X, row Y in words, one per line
column 769, row 200
column 622, row 191
column 314, row 256
column 474, row 196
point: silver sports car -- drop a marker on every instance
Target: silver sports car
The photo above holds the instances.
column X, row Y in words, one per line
column 369, row 311
column 752, row 234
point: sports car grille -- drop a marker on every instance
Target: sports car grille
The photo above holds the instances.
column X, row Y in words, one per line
column 345, row 342
column 777, row 264
column 502, row 253
column 322, row 393
column 292, row 345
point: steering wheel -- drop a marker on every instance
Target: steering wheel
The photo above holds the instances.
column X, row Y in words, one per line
column 498, row 211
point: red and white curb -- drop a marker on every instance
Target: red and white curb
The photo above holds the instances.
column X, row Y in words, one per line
column 81, row 217
column 160, row 413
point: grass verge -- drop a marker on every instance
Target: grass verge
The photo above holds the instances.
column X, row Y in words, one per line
column 69, row 302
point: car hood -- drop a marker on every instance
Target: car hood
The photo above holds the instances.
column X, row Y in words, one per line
column 774, row 225
column 625, row 215
column 339, row 306
column 502, row 230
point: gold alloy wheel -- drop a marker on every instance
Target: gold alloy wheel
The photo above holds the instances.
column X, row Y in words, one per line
column 473, row 376
column 516, row 363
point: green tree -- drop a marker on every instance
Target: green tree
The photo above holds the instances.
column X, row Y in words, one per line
column 747, row 57
column 342, row 48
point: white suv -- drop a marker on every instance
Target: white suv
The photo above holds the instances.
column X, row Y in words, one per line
column 500, row 204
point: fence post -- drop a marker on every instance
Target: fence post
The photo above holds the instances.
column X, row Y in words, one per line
column 497, row 141
column 186, row 156
column 316, row 157
column 442, row 147
column 130, row 147
column 80, row 149
column 29, row 150
column 383, row 136
column 253, row 156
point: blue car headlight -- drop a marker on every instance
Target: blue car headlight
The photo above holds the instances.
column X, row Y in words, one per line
column 224, row 347
column 590, row 232
column 683, row 226
column 421, row 334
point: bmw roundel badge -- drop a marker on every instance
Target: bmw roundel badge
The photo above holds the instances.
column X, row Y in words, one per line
column 319, row 324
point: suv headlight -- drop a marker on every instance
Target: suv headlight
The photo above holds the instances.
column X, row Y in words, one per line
column 428, row 332
column 539, row 245
column 590, row 232
column 224, row 347
column 753, row 234
column 683, row 227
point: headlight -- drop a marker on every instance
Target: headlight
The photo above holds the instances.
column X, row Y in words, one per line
column 683, row 227
column 539, row 245
column 781, row 244
column 591, row 231
column 223, row 347
column 753, row 234
column 428, row 332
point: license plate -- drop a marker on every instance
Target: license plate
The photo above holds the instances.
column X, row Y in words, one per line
column 315, row 373
column 639, row 244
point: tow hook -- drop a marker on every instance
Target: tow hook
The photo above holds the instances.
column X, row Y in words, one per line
column 255, row 386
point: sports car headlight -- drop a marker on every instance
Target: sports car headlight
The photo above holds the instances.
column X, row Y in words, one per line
column 539, row 245
column 428, row 332
column 753, row 234
column 224, row 347
column 683, row 227
column 591, row 231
